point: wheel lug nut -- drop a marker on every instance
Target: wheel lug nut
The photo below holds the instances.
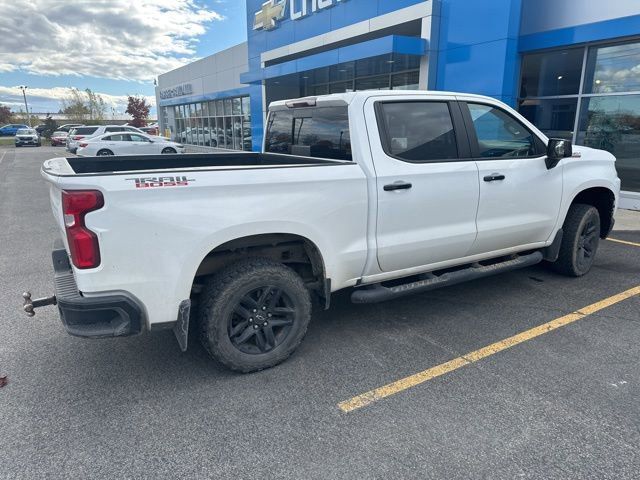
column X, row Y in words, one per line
column 269, row 315
column 265, row 324
column 264, row 308
column 251, row 320
column 255, row 327
column 254, row 310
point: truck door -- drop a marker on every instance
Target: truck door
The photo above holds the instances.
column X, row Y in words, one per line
column 427, row 184
column 519, row 197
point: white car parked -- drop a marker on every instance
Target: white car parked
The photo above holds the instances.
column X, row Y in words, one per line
column 86, row 132
column 127, row 144
column 27, row 136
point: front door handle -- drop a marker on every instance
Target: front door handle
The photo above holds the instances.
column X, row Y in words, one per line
column 494, row 177
column 397, row 186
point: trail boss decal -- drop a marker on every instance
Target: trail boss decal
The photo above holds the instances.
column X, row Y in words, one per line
column 155, row 182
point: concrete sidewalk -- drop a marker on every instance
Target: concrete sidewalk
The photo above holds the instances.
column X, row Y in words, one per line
column 627, row 220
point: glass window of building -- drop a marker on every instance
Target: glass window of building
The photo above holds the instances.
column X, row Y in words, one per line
column 613, row 69
column 383, row 72
column 612, row 123
column 594, row 100
column 224, row 123
column 555, row 116
column 551, row 73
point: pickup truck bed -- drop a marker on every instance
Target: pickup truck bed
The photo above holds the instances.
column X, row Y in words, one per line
column 117, row 164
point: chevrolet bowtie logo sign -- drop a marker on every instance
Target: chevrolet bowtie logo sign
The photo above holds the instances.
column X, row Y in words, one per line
column 270, row 13
column 273, row 11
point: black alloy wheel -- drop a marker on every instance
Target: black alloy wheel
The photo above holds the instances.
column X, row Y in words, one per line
column 261, row 320
column 588, row 241
column 580, row 241
column 253, row 314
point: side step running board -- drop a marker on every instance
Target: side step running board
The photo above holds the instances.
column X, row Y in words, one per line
column 380, row 293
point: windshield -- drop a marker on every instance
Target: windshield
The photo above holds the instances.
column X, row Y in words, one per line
column 26, row 131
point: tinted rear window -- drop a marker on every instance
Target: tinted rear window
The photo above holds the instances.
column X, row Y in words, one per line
column 85, row 130
column 310, row 132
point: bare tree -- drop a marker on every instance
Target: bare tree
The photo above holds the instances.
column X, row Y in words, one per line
column 82, row 106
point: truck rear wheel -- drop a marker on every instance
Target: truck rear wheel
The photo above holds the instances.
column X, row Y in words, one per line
column 580, row 241
column 254, row 314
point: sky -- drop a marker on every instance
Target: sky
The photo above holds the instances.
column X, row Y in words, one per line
column 114, row 47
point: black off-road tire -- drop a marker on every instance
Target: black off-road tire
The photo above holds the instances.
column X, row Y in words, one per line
column 580, row 241
column 223, row 293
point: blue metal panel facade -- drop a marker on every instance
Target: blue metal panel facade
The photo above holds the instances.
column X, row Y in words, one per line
column 476, row 59
column 475, row 46
column 590, row 32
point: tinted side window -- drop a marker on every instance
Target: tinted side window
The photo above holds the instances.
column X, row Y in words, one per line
column 138, row 138
column 114, row 129
column 501, row 135
column 120, row 138
column 85, row 130
column 419, row 131
column 321, row 132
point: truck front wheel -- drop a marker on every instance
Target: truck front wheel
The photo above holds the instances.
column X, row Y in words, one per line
column 254, row 314
column 579, row 242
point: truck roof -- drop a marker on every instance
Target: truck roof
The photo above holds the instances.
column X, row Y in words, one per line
column 336, row 99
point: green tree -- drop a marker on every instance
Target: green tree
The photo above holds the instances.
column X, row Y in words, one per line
column 138, row 108
column 50, row 126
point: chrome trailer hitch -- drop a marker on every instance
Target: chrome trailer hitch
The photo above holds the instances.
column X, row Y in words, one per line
column 30, row 305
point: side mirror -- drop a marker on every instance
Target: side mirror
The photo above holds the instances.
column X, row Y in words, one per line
column 557, row 149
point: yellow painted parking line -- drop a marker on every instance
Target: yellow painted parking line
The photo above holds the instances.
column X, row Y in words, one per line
column 416, row 379
column 624, row 242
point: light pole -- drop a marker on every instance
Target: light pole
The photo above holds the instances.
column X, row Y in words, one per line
column 26, row 108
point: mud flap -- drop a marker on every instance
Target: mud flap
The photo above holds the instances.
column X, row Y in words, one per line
column 181, row 328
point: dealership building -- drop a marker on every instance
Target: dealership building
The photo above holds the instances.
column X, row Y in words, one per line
column 572, row 67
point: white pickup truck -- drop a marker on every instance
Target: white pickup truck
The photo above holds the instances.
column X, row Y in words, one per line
column 387, row 193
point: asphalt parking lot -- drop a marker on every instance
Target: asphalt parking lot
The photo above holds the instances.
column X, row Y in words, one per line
column 558, row 403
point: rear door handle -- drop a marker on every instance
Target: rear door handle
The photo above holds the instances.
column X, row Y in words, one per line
column 397, row 186
column 494, row 177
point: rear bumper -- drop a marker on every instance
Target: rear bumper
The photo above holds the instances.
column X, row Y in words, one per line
column 116, row 315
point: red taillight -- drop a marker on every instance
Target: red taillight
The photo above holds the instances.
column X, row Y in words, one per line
column 78, row 137
column 83, row 243
column 83, row 144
